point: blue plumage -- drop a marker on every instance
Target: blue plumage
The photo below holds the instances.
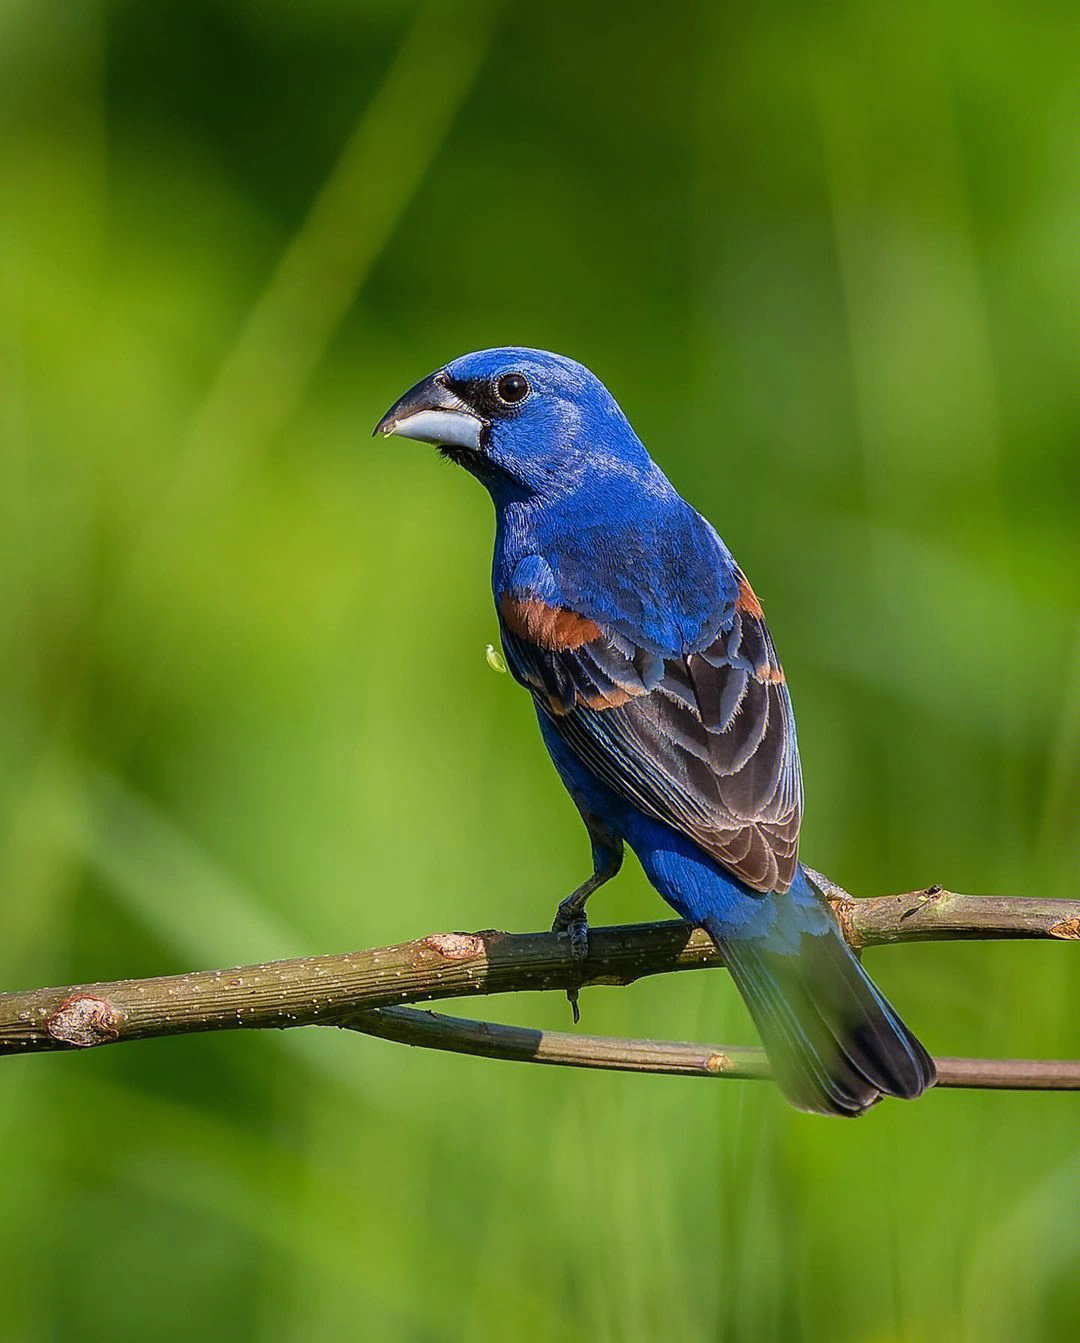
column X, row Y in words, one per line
column 663, row 704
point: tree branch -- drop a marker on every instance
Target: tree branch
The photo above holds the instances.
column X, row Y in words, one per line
column 408, row 1026
column 340, row 990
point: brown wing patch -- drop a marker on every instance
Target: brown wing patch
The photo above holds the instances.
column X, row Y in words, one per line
column 549, row 627
column 747, row 599
column 768, row 669
column 610, row 699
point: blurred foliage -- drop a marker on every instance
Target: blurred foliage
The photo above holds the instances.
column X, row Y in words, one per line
column 826, row 257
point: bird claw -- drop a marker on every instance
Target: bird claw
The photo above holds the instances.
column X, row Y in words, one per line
column 574, row 923
column 571, row 920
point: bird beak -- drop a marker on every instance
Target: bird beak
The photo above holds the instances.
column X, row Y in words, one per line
column 431, row 413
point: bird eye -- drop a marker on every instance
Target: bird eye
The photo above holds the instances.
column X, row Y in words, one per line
column 512, row 388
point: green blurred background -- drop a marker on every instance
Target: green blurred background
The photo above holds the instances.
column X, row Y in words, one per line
column 828, row 258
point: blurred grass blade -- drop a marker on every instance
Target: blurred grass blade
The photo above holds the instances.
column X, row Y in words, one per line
column 172, row 885
column 167, row 881
column 350, row 222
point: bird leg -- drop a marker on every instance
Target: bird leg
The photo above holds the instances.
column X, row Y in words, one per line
column 570, row 916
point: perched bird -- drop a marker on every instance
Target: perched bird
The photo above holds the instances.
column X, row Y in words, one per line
column 663, row 705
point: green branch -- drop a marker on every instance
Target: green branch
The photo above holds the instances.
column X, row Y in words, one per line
column 343, row 990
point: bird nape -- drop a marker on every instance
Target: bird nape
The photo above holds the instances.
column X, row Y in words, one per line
column 663, row 705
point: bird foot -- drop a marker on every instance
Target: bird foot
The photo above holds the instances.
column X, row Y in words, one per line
column 570, row 919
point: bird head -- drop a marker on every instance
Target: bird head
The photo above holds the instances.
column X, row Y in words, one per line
column 528, row 424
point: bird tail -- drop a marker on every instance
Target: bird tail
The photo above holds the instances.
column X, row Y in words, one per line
column 835, row 1044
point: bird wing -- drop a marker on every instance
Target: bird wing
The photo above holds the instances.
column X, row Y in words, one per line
column 704, row 741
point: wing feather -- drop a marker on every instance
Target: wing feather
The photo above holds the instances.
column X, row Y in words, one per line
column 704, row 741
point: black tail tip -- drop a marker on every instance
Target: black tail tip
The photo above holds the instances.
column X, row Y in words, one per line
column 835, row 1044
column 868, row 1065
column 852, row 1076
column 894, row 1059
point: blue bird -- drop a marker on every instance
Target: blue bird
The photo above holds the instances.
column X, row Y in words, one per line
column 663, row 705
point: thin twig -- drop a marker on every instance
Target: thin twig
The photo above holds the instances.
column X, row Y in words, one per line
column 432, row 1030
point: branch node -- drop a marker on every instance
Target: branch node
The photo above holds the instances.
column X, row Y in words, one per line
column 933, row 895
column 83, row 1020
column 843, row 908
column 455, row 946
column 841, row 904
